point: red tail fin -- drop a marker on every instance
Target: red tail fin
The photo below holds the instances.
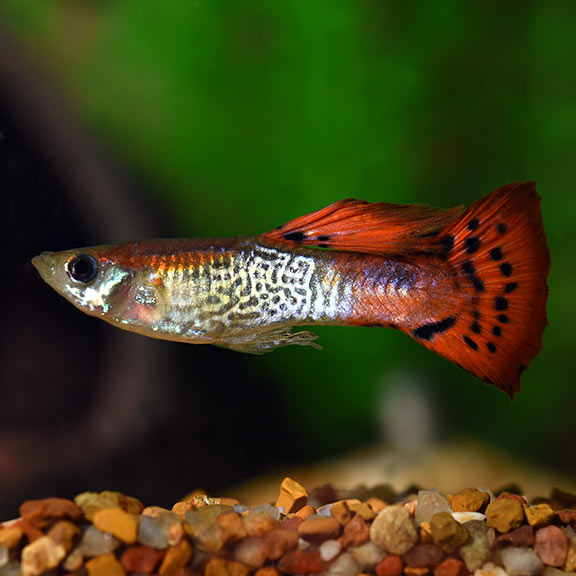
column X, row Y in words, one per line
column 498, row 248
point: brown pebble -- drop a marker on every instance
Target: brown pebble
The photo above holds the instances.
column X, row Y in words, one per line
column 539, row 515
column 127, row 503
column 504, row 514
column 425, row 533
column 470, row 500
column 105, row 565
column 292, row 523
column 424, row 555
column 376, row 504
column 567, row 516
column 391, row 565
column 363, row 510
column 251, row 551
column 155, row 511
column 450, row 567
column 74, row 561
column 42, row 513
column 319, row 528
column 65, row 533
column 447, row 532
column 279, row 542
column 31, row 533
column 302, row 562
column 181, row 508
column 176, row 557
column 340, row 511
column 292, row 496
column 356, row 532
column 267, row 571
column 120, row 524
column 232, row 527
column 416, row 570
column 11, row 536
column 551, row 545
column 221, row 567
column 41, row 556
column 91, row 502
column 570, row 563
column 305, row 512
column 520, row 537
column 257, row 525
column 141, row 559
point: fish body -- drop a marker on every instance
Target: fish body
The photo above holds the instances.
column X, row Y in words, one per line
column 442, row 276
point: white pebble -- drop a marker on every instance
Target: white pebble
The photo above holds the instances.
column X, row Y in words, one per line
column 463, row 517
column 490, row 569
column 430, row 503
column 150, row 533
column 4, row 555
column 268, row 509
column 521, row 562
column 329, row 549
column 325, row 510
column 96, row 543
column 367, row 555
column 344, row 565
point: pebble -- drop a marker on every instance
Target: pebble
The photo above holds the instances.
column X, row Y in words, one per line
column 251, row 551
column 567, row 516
column 470, row 500
column 539, row 515
column 106, row 565
column 96, row 543
column 74, row 561
column 362, row 509
column 141, row 559
column 11, row 536
column 42, row 513
column 430, row 503
column 393, row 530
column 356, row 532
column 221, row 567
column 268, row 510
column 232, row 527
column 41, row 556
column 259, row 524
column 65, row 533
column 521, row 562
column 123, row 525
column 450, row 567
column 279, row 541
column 205, row 531
column 150, row 533
column 490, row 569
column 267, row 571
column 376, row 504
column 307, row 511
column 329, row 550
column 302, row 562
column 340, row 511
column 520, row 537
column 424, row 555
column 292, row 496
column 345, row 565
column 367, row 555
column 570, row 564
column 476, row 551
column 391, row 565
column 504, row 514
column 551, row 545
column 319, row 528
column 92, row 502
column 176, row 557
column 4, row 555
column 447, row 533
column 463, row 517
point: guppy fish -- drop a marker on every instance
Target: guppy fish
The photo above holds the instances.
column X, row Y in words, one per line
column 468, row 284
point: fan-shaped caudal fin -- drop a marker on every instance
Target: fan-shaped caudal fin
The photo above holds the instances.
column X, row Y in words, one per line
column 498, row 248
column 360, row 226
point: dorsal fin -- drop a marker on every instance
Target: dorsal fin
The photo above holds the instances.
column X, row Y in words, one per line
column 360, row 226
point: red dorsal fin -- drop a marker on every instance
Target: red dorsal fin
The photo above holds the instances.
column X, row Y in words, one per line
column 359, row 226
column 498, row 249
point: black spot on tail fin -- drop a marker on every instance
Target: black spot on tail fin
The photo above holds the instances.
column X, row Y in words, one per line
column 498, row 250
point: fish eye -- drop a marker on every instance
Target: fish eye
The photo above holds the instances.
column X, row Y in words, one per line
column 82, row 268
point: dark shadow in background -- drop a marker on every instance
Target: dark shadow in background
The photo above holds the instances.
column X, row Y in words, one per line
column 84, row 406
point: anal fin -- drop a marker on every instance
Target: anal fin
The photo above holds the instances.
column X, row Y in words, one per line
column 265, row 341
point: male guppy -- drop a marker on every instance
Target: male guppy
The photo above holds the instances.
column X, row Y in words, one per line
column 468, row 284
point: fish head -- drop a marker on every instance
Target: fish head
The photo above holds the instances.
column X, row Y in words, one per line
column 93, row 282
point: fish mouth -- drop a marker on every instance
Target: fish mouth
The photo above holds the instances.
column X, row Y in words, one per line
column 45, row 263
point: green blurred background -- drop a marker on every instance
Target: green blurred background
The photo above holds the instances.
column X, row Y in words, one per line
column 238, row 116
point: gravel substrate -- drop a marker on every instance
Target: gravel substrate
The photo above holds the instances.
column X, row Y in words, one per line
column 416, row 533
